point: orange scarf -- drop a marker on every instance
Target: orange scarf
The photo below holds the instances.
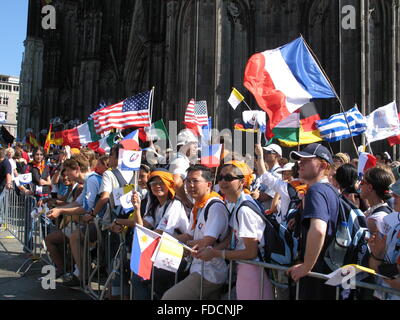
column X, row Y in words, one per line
column 200, row 204
column 40, row 166
column 300, row 187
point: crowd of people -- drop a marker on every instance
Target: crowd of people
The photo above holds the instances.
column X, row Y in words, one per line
column 213, row 211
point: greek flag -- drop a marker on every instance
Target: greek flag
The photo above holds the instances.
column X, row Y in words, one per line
column 335, row 127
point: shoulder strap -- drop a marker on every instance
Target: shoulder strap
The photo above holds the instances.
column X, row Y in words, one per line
column 252, row 206
column 207, row 208
column 383, row 208
column 292, row 192
column 166, row 207
column 121, row 180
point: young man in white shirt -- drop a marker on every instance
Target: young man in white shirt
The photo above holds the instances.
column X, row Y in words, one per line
column 187, row 154
column 203, row 232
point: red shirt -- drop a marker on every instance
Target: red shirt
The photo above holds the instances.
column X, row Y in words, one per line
column 25, row 156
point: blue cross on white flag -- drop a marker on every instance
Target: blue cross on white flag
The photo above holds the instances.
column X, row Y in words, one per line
column 129, row 160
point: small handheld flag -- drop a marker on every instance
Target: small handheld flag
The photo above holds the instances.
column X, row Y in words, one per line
column 129, row 160
column 235, row 98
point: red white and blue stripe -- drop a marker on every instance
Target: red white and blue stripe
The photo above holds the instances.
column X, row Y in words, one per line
column 282, row 80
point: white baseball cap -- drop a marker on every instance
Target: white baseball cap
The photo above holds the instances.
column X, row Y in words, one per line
column 287, row 167
column 274, row 148
column 186, row 136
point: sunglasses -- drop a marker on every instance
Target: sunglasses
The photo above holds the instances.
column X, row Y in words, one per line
column 229, row 177
column 156, row 183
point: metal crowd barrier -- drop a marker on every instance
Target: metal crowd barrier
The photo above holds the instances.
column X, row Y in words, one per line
column 15, row 217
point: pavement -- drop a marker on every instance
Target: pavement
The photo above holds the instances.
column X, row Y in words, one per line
column 28, row 287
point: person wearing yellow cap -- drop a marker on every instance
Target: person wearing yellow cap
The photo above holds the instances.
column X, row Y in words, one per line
column 246, row 239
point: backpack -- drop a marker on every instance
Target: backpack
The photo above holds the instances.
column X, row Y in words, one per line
column 207, row 208
column 357, row 252
column 280, row 247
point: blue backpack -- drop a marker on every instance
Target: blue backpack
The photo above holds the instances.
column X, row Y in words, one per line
column 357, row 252
column 280, row 247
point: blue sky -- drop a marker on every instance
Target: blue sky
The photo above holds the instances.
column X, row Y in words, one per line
column 13, row 22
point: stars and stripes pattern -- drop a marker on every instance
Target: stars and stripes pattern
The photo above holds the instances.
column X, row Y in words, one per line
column 196, row 113
column 132, row 112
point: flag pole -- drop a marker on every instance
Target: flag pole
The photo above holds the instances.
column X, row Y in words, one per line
column 247, row 105
column 333, row 89
column 151, row 104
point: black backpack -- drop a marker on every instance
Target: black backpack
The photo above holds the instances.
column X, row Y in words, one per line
column 281, row 247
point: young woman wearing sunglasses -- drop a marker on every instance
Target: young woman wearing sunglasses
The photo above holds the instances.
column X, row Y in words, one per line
column 245, row 240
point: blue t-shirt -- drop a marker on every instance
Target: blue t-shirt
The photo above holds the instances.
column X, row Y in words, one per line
column 321, row 202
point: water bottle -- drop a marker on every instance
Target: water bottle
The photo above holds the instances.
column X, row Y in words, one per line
column 338, row 250
column 343, row 237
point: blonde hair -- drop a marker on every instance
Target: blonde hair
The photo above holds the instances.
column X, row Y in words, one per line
column 10, row 151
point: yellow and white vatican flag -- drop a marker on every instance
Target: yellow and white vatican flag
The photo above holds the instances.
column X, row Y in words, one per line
column 168, row 254
column 235, row 98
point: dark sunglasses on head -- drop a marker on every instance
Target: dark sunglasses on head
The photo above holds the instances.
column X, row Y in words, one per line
column 229, row 177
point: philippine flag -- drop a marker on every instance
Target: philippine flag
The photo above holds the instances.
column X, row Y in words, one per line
column 144, row 244
column 131, row 141
column 211, row 155
column 284, row 79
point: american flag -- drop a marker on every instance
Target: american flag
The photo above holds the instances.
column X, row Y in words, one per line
column 132, row 112
column 196, row 113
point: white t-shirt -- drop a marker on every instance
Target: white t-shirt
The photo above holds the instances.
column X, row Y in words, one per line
column 174, row 218
column 216, row 226
column 377, row 217
column 13, row 168
column 281, row 187
column 250, row 225
column 110, row 182
column 267, row 189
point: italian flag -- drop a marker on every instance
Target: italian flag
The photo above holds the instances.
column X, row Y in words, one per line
column 283, row 80
column 105, row 143
column 299, row 127
column 157, row 131
column 81, row 135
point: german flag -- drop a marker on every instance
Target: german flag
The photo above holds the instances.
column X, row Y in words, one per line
column 299, row 128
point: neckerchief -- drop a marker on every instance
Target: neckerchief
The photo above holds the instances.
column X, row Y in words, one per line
column 200, row 204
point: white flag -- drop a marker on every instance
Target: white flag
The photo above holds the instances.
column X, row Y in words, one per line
column 383, row 123
column 126, row 200
column 235, row 98
column 23, row 179
column 168, row 254
column 129, row 160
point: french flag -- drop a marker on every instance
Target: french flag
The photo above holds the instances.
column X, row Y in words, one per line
column 365, row 161
column 144, row 244
column 211, row 155
column 283, row 80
